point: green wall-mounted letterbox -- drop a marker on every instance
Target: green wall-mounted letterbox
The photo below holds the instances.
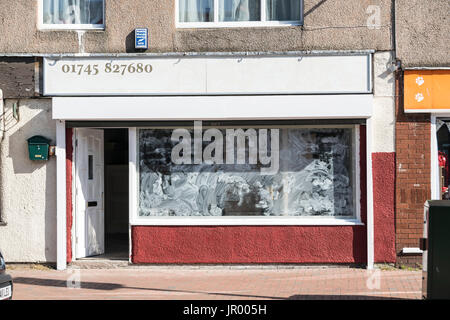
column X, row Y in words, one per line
column 38, row 147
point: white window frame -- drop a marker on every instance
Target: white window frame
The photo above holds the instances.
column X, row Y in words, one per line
column 44, row 26
column 136, row 220
column 237, row 24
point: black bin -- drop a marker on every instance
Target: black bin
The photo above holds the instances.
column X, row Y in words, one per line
column 436, row 250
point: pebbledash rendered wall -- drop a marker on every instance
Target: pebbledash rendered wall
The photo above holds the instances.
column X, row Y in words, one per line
column 27, row 188
column 328, row 25
column 28, row 199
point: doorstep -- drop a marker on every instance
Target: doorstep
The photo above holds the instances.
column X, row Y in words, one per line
column 98, row 264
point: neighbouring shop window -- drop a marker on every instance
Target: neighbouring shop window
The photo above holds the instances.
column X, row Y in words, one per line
column 443, row 140
column 72, row 14
column 210, row 13
column 284, row 171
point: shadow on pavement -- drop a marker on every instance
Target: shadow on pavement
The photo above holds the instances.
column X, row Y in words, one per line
column 66, row 283
column 116, row 286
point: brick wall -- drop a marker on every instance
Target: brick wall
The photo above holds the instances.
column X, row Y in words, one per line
column 413, row 181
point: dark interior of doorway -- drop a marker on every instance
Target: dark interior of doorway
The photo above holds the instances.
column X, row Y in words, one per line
column 116, row 194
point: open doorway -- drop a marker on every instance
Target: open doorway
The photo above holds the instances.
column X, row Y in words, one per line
column 101, row 202
column 116, row 194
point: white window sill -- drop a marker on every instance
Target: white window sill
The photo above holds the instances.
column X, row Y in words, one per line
column 247, row 221
column 238, row 24
column 71, row 27
column 412, row 251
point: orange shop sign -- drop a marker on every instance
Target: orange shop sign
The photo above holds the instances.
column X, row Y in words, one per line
column 427, row 91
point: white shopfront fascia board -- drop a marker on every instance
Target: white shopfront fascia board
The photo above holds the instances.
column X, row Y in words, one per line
column 207, row 75
column 270, row 107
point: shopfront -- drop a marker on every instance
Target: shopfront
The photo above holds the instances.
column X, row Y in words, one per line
column 214, row 158
column 428, row 91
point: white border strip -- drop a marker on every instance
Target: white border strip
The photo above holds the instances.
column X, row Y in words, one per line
column 436, row 111
column 74, row 195
column 370, row 220
column 191, row 54
column 244, row 221
column 61, row 212
column 213, row 107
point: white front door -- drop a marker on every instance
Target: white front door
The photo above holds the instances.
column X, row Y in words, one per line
column 89, row 183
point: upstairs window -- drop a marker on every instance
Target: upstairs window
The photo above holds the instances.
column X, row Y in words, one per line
column 238, row 13
column 72, row 14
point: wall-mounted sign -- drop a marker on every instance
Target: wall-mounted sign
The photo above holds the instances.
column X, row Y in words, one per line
column 427, row 91
column 206, row 75
column 141, row 38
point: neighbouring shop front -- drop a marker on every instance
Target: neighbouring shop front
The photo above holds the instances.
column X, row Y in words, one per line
column 209, row 158
column 428, row 91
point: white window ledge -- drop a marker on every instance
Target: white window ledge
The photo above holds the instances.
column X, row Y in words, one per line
column 237, row 24
column 247, row 221
column 412, row 251
column 71, row 27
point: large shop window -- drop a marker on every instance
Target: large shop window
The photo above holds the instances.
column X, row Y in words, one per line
column 72, row 14
column 261, row 171
column 239, row 13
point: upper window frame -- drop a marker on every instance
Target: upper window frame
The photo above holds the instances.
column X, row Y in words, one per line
column 69, row 27
column 237, row 24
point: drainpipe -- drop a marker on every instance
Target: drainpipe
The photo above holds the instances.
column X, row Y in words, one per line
column 2, row 119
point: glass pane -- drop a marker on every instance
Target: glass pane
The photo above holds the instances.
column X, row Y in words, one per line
column 239, row 10
column 73, row 12
column 90, row 167
column 312, row 175
column 196, row 10
column 283, row 10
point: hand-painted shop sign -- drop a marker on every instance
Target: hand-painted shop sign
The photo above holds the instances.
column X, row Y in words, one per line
column 427, row 91
column 206, row 75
